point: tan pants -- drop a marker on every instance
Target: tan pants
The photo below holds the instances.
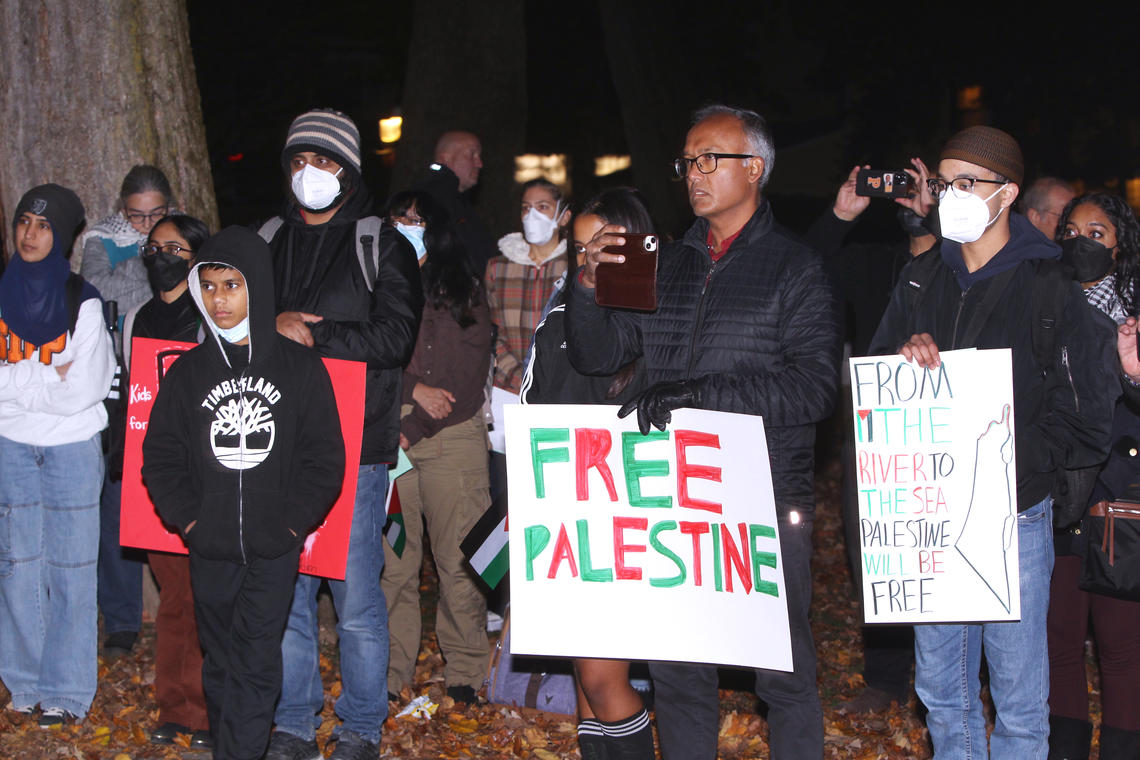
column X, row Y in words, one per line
column 448, row 489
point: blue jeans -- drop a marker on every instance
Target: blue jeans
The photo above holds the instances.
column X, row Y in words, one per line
column 948, row 661
column 120, row 569
column 362, row 626
column 49, row 546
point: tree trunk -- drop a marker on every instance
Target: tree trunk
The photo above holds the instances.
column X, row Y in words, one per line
column 85, row 96
column 650, row 74
column 467, row 70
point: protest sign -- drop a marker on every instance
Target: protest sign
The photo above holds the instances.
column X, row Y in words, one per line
column 326, row 548
column 660, row 547
column 937, row 488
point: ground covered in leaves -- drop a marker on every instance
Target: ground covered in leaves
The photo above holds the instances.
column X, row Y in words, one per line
column 124, row 711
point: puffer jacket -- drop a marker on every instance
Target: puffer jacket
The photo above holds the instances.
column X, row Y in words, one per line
column 756, row 332
column 316, row 270
column 1062, row 413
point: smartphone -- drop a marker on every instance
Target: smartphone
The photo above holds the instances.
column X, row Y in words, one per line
column 877, row 183
column 633, row 283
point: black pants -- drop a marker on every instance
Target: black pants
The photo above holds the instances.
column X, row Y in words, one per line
column 888, row 650
column 241, row 612
column 685, row 695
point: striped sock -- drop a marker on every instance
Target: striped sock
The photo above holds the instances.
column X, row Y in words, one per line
column 630, row 739
column 592, row 740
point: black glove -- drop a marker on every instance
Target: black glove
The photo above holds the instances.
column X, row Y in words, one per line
column 656, row 403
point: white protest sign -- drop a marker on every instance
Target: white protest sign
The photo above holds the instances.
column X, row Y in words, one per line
column 660, row 547
column 937, row 488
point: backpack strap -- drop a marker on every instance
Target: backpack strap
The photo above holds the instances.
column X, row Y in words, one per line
column 269, row 229
column 1048, row 301
column 74, row 288
column 128, row 333
column 367, row 248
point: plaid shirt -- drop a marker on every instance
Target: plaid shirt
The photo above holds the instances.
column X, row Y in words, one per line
column 1103, row 296
column 517, row 291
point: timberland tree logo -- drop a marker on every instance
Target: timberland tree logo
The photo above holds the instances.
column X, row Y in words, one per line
column 39, row 206
column 243, row 431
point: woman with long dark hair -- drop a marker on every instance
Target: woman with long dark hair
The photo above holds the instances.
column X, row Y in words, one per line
column 613, row 721
column 445, row 436
column 1100, row 243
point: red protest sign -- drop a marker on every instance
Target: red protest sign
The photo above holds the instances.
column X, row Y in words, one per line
column 140, row 526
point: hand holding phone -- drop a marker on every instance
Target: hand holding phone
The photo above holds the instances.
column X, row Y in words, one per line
column 633, row 283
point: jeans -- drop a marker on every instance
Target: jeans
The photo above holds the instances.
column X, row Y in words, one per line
column 362, row 627
column 948, row 661
column 49, row 546
column 120, row 569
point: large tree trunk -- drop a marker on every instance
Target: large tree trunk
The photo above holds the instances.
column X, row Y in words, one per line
column 650, row 73
column 467, row 70
column 86, row 95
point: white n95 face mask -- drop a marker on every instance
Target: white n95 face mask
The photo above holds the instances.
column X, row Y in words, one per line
column 538, row 228
column 965, row 219
column 315, row 188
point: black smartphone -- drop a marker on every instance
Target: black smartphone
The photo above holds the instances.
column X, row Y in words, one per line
column 877, row 183
column 632, row 284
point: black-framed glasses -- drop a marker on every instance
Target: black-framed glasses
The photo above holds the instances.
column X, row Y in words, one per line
column 152, row 249
column 706, row 162
column 961, row 185
column 140, row 217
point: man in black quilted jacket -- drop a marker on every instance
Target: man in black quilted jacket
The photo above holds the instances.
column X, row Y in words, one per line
column 745, row 323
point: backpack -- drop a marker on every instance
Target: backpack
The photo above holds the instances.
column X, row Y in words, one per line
column 367, row 233
column 1071, row 487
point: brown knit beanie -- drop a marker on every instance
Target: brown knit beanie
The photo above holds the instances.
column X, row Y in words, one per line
column 988, row 147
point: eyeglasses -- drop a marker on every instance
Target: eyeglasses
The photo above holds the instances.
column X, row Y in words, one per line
column 960, row 185
column 706, row 162
column 138, row 217
column 152, row 249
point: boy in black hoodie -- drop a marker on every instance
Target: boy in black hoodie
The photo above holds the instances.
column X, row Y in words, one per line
column 244, row 455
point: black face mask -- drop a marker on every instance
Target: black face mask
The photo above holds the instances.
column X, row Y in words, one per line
column 1089, row 260
column 165, row 270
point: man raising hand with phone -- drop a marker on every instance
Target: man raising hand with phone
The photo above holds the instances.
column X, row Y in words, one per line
column 745, row 322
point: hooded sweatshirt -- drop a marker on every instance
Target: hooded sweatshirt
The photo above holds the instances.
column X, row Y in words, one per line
column 244, row 441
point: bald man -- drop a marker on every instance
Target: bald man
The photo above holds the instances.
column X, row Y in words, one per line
column 458, row 159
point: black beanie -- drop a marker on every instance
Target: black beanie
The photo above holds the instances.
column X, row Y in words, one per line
column 60, row 206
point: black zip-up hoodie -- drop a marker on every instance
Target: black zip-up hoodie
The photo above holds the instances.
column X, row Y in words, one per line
column 244, row 441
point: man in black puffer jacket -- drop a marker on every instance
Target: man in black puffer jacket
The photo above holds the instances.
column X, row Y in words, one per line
column 350, row 288
column 746, row 323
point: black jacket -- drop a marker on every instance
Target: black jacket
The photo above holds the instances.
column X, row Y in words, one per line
column 756, row 332
column 441, row 184
column 316, row 271
column 1062, row 413
column 254, row 454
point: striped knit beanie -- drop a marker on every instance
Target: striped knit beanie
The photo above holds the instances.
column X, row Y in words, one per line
column 990, row 148
column 327, row 132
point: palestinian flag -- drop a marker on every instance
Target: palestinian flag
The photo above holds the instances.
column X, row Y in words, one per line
column 394, row 530
column 485, row 546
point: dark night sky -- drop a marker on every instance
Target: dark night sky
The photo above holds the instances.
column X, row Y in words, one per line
column 874, row 82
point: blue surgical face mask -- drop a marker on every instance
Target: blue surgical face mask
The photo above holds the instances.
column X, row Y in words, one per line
column 235, row 334
column 415, row 236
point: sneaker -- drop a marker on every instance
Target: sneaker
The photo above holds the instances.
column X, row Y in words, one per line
column 462, row 694
column 120, row 644
column 22, row 709
column 352, row 746
column 55, row 717
column 286, row 746
column 869, row 701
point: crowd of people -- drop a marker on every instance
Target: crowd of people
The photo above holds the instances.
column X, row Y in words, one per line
column 750, row 318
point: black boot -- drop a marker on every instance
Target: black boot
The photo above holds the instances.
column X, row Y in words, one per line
column 1069, row 738
column 1118, row 744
